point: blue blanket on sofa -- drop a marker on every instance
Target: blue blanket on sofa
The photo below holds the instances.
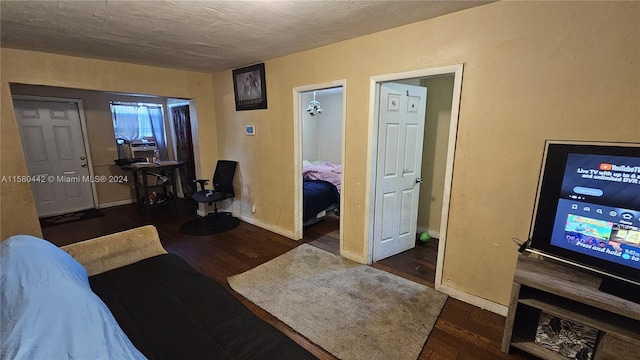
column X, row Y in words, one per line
column 48, row 310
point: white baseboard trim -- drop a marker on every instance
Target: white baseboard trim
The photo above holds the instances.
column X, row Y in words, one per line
column 353, row 257
column 115, row 203
column 252, row 221
column 275, row 229
column 473, row 300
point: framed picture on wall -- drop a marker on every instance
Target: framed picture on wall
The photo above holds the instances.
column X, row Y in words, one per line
column 250, row 87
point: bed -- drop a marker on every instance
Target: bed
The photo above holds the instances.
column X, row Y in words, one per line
column 321, row 190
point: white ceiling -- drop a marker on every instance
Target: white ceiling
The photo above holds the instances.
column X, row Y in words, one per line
column 206, row 36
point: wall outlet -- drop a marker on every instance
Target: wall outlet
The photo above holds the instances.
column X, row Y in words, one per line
column 253, row 208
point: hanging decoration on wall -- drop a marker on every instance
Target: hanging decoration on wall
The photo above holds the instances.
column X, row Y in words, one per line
column 314, row 108
column 250, row 88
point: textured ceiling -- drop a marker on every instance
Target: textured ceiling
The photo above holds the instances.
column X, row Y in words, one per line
column 207, row 36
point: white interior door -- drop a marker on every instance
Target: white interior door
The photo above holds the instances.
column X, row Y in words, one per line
column 401, row 117
column 56, row 159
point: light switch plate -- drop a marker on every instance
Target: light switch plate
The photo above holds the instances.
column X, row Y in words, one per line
column 250, row 130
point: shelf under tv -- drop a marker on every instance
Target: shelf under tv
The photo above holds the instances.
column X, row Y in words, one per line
column 544, row 285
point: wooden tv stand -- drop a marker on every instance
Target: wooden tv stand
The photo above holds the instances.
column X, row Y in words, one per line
column 545, row 285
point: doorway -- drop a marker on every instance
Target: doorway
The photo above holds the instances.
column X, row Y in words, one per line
column 319, row 113
column 455, row 72
column 181, row 130
column 54, row 142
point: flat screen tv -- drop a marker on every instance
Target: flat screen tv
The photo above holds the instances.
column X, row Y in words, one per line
column 587, row 211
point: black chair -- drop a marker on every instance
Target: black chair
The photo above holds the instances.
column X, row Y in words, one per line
column 215, row 222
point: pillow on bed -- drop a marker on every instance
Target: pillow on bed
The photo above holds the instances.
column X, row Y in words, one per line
column 48, row 310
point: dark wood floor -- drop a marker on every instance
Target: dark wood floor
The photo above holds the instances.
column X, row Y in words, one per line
column 462, row 331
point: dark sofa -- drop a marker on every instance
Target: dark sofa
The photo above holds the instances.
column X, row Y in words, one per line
column 170, row 311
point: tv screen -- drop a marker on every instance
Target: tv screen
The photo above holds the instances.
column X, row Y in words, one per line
column 588, row 207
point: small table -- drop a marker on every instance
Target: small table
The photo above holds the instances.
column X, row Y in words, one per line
column 164, row 172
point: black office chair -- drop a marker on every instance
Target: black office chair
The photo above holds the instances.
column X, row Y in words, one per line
column 215, row 222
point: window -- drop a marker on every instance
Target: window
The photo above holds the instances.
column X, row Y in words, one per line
column 133, row 121
column 137, row 121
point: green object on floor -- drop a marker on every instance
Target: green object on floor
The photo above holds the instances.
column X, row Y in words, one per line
column 424, row 237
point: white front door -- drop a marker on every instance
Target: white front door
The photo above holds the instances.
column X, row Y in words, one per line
column 56, row 159
column 401, row 117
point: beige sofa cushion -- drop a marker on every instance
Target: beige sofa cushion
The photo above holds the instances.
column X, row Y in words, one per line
column 116, row 250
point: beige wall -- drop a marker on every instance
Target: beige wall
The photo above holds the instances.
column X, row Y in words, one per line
column 533, row 71
column 17, row 209
column 434, row 151
column 99, row 125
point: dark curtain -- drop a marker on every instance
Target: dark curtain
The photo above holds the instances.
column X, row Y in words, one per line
column 184, row 148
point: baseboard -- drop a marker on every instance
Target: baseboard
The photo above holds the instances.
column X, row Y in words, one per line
column 115, row 203
column 353, row 256
column 252, row 221
column 473, row 300
column 275, row 229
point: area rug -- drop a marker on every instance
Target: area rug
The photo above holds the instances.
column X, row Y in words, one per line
column 70, row 217
column 351, row 310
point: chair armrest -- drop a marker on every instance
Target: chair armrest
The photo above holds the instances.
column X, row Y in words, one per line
column 202, row 183
column 116, row 250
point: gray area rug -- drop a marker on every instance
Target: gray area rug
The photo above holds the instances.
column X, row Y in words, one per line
column 351, row 310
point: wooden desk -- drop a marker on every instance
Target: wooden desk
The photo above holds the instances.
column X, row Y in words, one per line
column 144, row 172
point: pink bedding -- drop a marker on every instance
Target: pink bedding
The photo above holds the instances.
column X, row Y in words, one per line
column 326, row 171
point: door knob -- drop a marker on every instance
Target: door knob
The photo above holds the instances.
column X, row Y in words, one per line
column 82, row 158
column 84, row 165
column 418, row 181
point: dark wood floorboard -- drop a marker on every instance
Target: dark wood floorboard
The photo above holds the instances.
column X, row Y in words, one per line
column 462, row 331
